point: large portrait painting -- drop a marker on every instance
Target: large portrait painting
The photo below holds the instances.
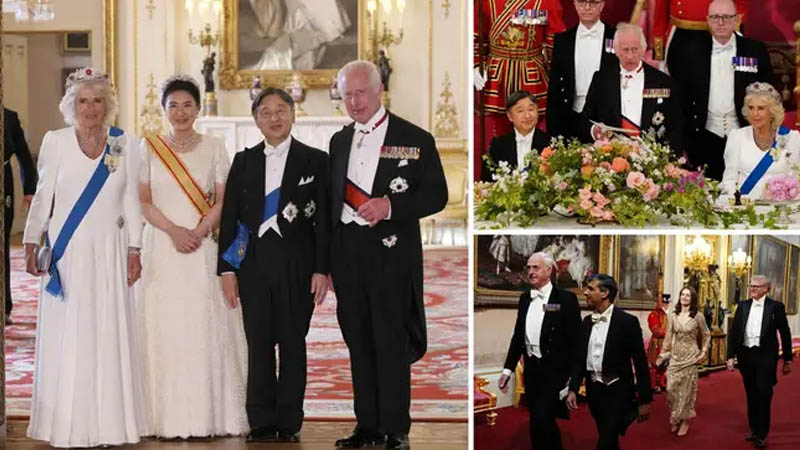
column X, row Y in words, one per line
column 745, row 243
column 638, row 264
column 274, row 38
column 500, row 262
column 793, row 277
column 770, row 259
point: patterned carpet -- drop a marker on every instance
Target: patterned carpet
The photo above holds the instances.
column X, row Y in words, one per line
column 439, row 381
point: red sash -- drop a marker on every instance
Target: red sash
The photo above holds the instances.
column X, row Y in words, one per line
column 354, row 196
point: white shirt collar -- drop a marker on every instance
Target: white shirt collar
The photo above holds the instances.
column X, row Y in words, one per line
column 278, row 150
column 596, row 28
column 545, row 290
column 524, row 137
column 717, row 47
column 634, row 72
column 372, row 120
column 607, row 312
column 759, row 301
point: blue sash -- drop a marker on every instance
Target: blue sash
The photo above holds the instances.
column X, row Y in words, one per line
column 234, row 255
column 761, row 168
column 76, row 215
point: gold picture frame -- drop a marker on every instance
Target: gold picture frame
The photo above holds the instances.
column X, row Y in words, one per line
column 634, row 293
column 232, row 76
column 767, row 255
column 508, row 297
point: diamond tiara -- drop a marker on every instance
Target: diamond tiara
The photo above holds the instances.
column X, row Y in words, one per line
column 761, row 88
column 86, row 74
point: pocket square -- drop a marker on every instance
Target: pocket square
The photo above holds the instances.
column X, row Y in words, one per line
column 403, row 162
column 304, row 181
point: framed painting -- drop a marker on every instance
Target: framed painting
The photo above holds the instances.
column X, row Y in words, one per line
column 736, row 242
column 770, row 258
column 500, row 262
column 274, row 39
column 638, row 264
column 793, row 277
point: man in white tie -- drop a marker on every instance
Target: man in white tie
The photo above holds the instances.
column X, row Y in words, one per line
column 523, row 112
column 273, row 255
column 547, row 335
column 612, row 346
column 632, row 95
column 753, row 341
column 578, row 53
column 713, row 76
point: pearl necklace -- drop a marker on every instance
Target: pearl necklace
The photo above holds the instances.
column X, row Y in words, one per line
column 184, row 144
column 89, row 148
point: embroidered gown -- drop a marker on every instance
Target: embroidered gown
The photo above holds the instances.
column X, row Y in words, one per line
column 193, row 345
column 681, row 342
column 86, row 388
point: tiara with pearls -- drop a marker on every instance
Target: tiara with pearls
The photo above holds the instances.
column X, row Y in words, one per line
column 761, row 88
column 86, row 74
column 179, row 77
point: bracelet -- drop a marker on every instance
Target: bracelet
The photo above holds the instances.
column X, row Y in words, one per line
column 134, row 251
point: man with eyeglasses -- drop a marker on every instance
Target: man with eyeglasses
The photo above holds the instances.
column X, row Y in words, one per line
column 273, row 256
column 753, row 341
column 632, row 97
column 714, row 72
column 678, row 23
column 578, row 53
column 547, row 335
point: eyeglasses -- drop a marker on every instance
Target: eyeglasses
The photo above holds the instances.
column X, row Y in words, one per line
column 721, row 17
column 588, row 3
column 758, row 286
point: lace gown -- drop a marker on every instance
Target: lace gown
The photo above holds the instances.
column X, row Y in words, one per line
column 681, row 344
column 194, row 349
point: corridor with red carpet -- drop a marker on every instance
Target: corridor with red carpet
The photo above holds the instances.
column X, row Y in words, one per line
column 721, row 421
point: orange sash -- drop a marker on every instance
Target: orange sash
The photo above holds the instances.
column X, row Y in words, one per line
column 180, row 173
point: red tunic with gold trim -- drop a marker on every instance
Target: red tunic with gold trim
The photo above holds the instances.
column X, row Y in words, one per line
column 520, row 35
column 683, row 14
column 657, row 322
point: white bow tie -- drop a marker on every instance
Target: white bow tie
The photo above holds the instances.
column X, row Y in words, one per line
column 722, row 48
column 599, row 318
column 587, row 33
column 536, row 294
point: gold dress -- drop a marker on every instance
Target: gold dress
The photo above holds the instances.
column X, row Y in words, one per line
column 681, row 344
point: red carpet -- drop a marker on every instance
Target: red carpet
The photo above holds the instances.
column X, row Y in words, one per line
column 721, row 422
column 439, row 381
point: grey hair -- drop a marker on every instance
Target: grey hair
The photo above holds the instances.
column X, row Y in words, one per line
column 630, row 28
column 548, row 260
column 763, row 278
column 68, row 107
column 371, row 70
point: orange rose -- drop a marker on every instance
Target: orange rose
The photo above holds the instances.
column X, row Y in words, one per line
column 544, row 168
column 620, row 164
column 547, row 152
column 587, row 170
column 607, row 148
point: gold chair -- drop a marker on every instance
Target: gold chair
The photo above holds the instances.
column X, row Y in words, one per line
column 484, row 401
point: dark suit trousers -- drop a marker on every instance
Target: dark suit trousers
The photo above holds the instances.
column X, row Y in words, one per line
column 610, row 408
column 758, row 373
column 373, row 307
column 270, row 320
column 9, row 217
column 541, row 393
column 709, row 149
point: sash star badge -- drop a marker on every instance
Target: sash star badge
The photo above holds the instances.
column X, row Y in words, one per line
column 398, row 185
column 658, row 118
column 390, row 241
column 310, row 208
column 289, row 212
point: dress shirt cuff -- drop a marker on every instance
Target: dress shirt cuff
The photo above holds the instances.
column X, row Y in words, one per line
column 388, row 216
column 507, row 372
column 228, row 272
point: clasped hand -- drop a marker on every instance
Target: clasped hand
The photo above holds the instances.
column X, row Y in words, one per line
column 374, row 210
column 184, row 239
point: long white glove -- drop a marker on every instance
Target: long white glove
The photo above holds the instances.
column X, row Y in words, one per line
column 480, row 79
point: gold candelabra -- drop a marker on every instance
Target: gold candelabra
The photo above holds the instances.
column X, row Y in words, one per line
column 740, row 264
column 381, row 37
column 208, row 10
column 207, row 39
column 697, row 255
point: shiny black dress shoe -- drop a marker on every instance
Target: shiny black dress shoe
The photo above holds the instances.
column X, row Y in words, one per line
column 760, row 443
column 287, row 436
column 361, row 439
column 262, row 434
column 397, row 441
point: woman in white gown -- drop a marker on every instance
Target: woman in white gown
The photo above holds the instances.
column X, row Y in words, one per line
column 193, row 345
column 747, row 146
column 86, row 389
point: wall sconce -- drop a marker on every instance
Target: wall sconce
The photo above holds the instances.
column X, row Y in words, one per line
column 208, row 10
column 381, row 37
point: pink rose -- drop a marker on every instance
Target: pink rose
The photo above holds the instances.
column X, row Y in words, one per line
column 598, row 212
column 600, row 199
column 585, row 193
column 561, row 185
column 651, row 191
column 635, row 179
column 586, row 204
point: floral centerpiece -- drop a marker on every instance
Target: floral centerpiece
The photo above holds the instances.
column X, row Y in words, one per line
column 781, row 188
column 633, row 182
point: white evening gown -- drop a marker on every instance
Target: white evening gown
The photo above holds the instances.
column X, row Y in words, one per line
column 86, row 388
column 194, row 352
column 742, row 155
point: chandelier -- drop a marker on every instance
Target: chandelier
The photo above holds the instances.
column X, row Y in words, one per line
column 740, row 262
column 25, row 10
column 697, row 255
